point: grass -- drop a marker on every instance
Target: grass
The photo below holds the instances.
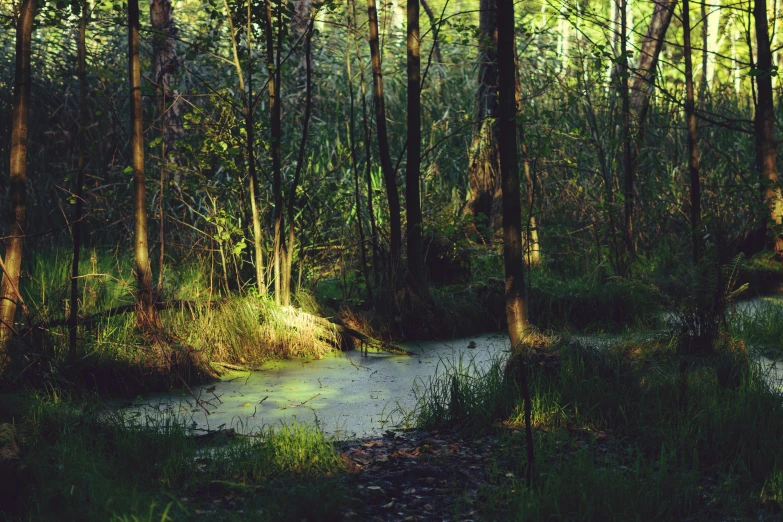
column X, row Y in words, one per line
column 613, row 439
column 201, row 325
column 88, row 463
column 760, row 326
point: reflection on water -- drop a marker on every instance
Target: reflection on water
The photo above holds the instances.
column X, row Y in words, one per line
column 347, row 394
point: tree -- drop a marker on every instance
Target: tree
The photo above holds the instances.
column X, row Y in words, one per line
column 413, row 167
column 389, row 174
column 485, row 163
column 646, row 67
column 73, row 320
column 17, row 204
column 513, row 253
column 764, row 127
column 250, row 157
column 628, row 162
column 692, row 141
column 147, row 316
column 164, row 65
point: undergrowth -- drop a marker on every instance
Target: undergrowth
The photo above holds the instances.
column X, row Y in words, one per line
column 614, row 438
column 84, row 462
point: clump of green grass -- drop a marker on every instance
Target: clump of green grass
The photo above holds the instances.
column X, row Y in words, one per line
column 616, row 439
column 760, row 327
column 87, row 463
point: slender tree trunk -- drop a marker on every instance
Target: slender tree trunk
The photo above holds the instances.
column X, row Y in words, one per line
column 435, row 42
column 251, row 159
column 513, row 252
column 165, row 63
column 628, row 163
column 714, row 40
column 147, row 316
column 273, row 66
column 485, row 162
column 644, row 79
column 367, row 159
column 17, row 205
column 692, row 141
column 247, row 96
column 300, row 159
column 766, row 144
column 389, row 176
column 354, row 161
column 413, row 167
column 73, row 319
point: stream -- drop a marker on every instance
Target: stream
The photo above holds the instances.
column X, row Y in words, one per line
column 351, row 394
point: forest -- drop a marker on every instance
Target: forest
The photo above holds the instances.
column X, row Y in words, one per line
column 401, row 260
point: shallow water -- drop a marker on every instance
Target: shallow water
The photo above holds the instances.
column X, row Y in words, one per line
column 351, row 395
column 347, row 394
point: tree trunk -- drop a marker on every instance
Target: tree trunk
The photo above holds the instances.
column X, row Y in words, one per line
column 690, row 120
column 289, row 259
column 247, row 96
column 413, row 167
column 273, row 66
column 76, row 227
column 367, row 159
column 435, row 42
column 644, row 79
column 714, row 39
column 628, row 163
column 164, row 64
column 766, row 145
column 147, row 315
column 354, row 161
column 389, row 175
column 485, row 162
column 17, row 205
column 513, row 252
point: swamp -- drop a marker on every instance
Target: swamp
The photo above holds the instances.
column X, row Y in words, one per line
column 411, row 260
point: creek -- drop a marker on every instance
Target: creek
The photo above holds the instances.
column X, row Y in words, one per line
column 351, row 394
column 347, row 394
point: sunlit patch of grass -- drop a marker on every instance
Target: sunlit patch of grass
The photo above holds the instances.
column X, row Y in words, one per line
column 88, row 463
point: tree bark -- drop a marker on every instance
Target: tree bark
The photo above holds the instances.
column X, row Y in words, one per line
column 289, row 259
column 766, row 144
column 628, row 160
column 76, row 227
column 513, row 252
column 389, row 176
column 147, row 315
column 644, row 79
column 164, row 65
column 692, row 141
column 367, row 159
column 273, row 66
column 485, row 162
column 17, row 204
column 435, row 41
column 413, row 167
column 354, row 161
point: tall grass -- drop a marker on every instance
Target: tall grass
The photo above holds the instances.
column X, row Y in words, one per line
column 87, row 463
column 200, row 325
column 614, row 439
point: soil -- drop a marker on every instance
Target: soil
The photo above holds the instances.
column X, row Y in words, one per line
column 419, row 476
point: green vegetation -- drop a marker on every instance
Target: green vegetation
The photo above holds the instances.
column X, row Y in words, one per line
column 87, row 462
column 615, row 436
